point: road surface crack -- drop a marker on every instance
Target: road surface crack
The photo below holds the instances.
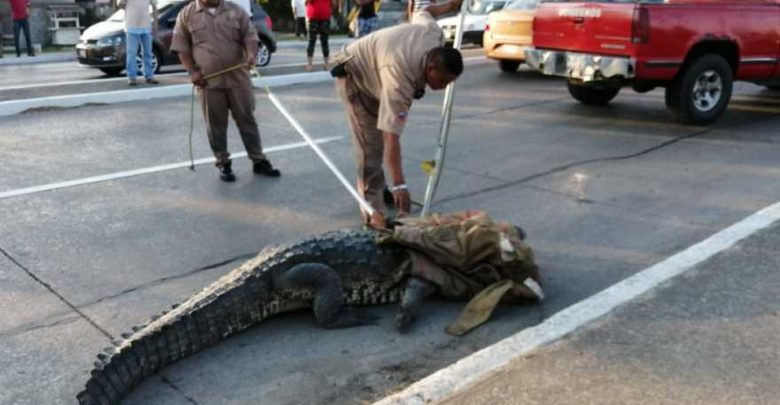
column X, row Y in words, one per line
column 51, row 289
column 585, row 162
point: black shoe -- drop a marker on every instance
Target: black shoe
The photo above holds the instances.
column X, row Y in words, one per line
column 264, row 167
column 226, row 173
column 152, row 81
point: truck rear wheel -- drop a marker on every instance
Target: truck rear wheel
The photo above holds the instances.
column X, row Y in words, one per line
column 700, row 93
column 592, row 95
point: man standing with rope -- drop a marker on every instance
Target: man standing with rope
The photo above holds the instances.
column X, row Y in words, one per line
column 212, row 36
column 378, row 77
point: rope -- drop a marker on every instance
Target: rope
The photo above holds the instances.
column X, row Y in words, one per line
column 205, row 102
column 279, row 106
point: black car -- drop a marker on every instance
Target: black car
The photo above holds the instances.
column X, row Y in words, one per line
column 102, row 45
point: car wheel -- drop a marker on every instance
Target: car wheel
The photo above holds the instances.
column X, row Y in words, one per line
column 156, row 65
column 701, row 92
column 592, row 95
column 508, row 66
column 263, row 57
column 115, row 71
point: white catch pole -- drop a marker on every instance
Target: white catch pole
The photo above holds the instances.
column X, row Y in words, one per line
column 302, row 132
column 446, row 117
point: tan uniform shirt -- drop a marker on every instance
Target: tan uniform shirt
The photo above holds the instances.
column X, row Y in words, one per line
column 389, row 66
column 216, row 41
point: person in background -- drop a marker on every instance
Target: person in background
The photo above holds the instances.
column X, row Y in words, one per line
column 414, row 6
column 139, row 29
column 20, row 13
column 244, row 4
column 299, row 13
column 367, row 18
column 212, row 36
column 378, row 78
column 318, row 19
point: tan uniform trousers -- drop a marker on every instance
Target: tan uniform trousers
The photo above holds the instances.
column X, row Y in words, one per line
column 240, row 101
column 368, row 143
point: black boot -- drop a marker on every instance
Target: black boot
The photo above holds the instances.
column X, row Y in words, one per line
column 226, row 173
column 265, row 168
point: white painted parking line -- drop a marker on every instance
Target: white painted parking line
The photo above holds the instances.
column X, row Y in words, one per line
column 146, row 170
column 481, row 364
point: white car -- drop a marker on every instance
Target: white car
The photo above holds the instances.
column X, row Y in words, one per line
column 474, row 21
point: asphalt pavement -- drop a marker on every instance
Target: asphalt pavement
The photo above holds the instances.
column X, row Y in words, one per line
column 602, row 192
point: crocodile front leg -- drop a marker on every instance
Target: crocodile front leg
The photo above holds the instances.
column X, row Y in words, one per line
column 328, row 289
column 417, row 289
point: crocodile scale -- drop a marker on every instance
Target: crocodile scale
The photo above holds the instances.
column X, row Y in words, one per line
column 370, row 274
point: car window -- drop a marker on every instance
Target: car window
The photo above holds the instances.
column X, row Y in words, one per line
column 522, row 5
column 484, row 7
column 162, row 6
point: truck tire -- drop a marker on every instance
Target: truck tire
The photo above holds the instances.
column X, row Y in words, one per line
column 700, row 93
column 508, row 66
column 592, row 95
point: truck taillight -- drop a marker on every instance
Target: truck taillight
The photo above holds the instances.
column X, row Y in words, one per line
column 269, row 23
column 641, row 26
column 487, row 27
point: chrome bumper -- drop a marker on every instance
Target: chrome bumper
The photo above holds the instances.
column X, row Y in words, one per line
column 580, row 66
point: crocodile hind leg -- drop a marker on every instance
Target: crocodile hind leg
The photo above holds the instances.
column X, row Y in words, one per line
column 417, row 289
column 328, row 295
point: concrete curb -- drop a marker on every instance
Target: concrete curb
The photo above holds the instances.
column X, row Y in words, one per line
column 53, row 57
column 480, row 365
column 112, row 97
column 291, row 44
column 13, row 107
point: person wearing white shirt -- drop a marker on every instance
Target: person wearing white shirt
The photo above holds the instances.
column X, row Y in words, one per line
column 299, row 12
column 244, row 4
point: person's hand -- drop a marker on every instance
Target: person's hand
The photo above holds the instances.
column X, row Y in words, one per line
column 403, row 201
column 155, row 28
column 197, row 79
column 377, row 221
column 251, row 61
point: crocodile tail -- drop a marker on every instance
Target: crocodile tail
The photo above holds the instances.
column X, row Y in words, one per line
column 231, row 304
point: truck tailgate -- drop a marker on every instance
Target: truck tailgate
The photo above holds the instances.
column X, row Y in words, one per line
column 603, row 28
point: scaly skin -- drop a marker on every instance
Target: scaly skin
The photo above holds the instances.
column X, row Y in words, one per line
column 323, row 272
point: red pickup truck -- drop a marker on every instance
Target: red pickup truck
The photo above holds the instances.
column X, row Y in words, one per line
column 693, row 48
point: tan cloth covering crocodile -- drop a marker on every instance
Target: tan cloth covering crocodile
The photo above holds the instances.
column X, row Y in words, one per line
column 469, row 256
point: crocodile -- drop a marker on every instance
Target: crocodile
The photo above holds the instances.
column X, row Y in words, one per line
column 332, row 273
